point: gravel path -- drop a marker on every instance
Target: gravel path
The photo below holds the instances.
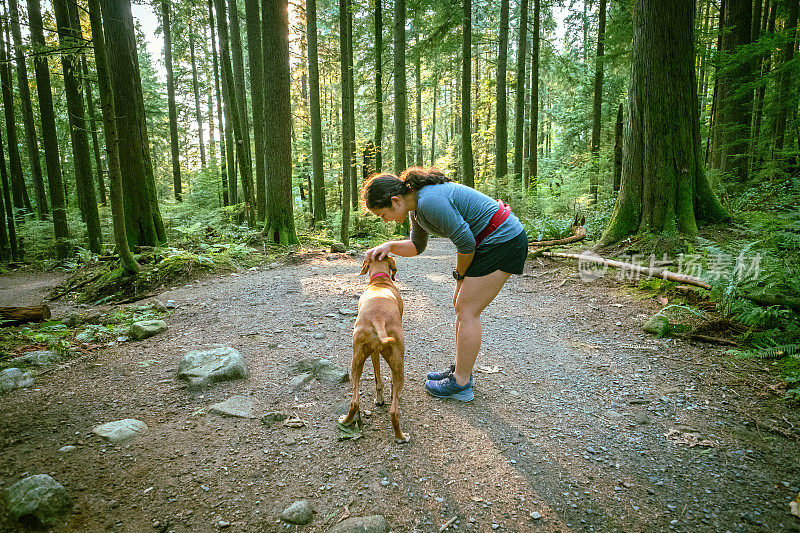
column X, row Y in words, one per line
column 588, row 424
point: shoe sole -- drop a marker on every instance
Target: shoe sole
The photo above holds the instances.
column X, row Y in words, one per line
column 463, row 396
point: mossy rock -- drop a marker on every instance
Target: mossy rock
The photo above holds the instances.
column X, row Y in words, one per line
column 658, row 325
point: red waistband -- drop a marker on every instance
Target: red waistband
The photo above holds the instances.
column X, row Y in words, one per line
column 379, row 274
column 498, row 218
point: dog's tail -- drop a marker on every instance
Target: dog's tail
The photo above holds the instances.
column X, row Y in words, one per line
column 380, row 329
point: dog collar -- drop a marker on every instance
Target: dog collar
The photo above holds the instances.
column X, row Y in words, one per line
column 379, row 274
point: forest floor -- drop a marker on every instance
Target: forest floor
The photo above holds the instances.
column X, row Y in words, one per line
column 580, row 418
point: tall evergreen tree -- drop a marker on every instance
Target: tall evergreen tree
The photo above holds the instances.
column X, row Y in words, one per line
column 378, row 84
column 597, row 107
column 6, row 213
column 52, row 158
column 279, row 226
column 254, row 57
column 196, row 90
column 467, row 164
column 98, row 161
column 501, row 136
column 531, row 176
column 347, row 150
column 31, row 140
column 224, row 129
column 400, row 100
column 519, row 114
column 143, row 224
column 664, row 187
column 173, row 110
column 320, row 213
column 787, row 99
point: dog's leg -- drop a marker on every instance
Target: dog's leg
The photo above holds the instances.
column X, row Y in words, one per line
column 376, row 365
column 359, row 357
column 394, row 356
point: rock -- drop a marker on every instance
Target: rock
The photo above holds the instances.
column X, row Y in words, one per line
column 536, row 515
column 237, row 406
column 72, row 320
column 39, row 358
column 39, row 499
column 155, row 304
column 170, row 304
column 338, row 248
column 352, row 253
column 121, row 430
column 299, row 381
column 204, row 367
column 361, row 524
column 69, row 448
column 319, row 335
column 146, row 328
column 299, row 512
column 273, row 417
column 658, row 325
column 321, row 368
column 13, row 378
column 347, row 312
column 93, row 333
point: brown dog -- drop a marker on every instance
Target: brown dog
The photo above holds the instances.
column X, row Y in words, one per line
column 379, row 330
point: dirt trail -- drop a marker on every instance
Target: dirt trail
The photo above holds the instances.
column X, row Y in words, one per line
column 572, row 426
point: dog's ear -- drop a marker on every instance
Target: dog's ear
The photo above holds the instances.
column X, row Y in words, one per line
column 364, row 267
column 392, row 266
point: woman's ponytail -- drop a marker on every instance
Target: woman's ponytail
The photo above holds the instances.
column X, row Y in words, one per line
column 416, row 178
column 377, row 191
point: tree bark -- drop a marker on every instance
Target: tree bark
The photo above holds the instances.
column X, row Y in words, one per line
column 664, row 187
column 597, row 108
column 173, row 111
column 467, row 164
column 433, row 125
column 320, row 213
column 519, row 114
column 143, row 223
column 768, row 26
column 19, row 192
column 209, row 78
column 351, row 99
column 8, row 242
column 31, row 139
column 69, row 38
column 400, row 104
column 108, row 109
column 20, row 315
column 501, row 134
column 279, row 225
column 98, row 161
column 52, row 158
column 533, row 163
column 255, row 63
column 418, row 89
column 347, row 152
column 786, row 97
column 378, row 84
column 196, row 91
column 224, row 131
column 618, row 149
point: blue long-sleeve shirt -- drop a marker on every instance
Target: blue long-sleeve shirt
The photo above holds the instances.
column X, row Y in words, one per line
column 459, row 213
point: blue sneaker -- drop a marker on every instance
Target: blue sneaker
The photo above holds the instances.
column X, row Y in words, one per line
column 436, row 376
column 448, row 388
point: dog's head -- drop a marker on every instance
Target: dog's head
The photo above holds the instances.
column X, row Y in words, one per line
column 374, row 266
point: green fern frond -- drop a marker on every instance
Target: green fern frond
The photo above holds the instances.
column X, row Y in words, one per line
column 775, row 352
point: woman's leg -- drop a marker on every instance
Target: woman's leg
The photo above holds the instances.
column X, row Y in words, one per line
column 476, row 293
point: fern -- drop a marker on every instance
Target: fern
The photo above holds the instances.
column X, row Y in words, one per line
column 774, row 352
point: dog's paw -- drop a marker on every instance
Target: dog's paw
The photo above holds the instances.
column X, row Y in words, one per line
column 406, row 438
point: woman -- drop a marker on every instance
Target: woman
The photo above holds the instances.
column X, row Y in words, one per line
column 490, row 241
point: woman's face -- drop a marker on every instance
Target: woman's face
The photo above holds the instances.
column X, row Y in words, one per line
column 396, row 212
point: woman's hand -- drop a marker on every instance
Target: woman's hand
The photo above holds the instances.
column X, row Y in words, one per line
column 379, row 252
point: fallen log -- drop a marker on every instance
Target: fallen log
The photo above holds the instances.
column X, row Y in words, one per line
column 578, row 234
column 650, row 272
column 20, row 315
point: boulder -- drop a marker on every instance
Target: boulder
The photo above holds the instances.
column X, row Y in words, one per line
column 13, row 378
column 39, row 358
column 658, row 325
column 338, row 248
column 298, row 513
column 299, row 381
column 204, row 367
column 320, row 368
column 121, row 430
column 147, row 328
column 39, row 499
column 236, row 406
column 361, row 524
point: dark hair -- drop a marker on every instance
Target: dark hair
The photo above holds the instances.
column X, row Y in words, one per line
column 378, row 190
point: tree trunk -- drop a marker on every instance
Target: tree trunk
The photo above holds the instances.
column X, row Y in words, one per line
column 7, row 213
column 196, row 90
column 347, row 152
column 49, row 135
column 418, row 88
column 255, row 63
column 618, row 149
column 320, row 213
column 519, row 118
column 224, row 131
column 243, row 138
column 108, row 108
column 69, row 38
column 767, row 26
column 501, row 134
column 533, row 164
column 664, row 188
column 594, row 180
column 279, row 225
column 399, row 40
column 212, row 138
column 143, row 223
column 786, row 97
column 173, row 111
column 351, row 99
column 32, row 143
column 98, row 161
column 19, row 192
column 467, row 165
column 378, row 84
column 735, row 106
column 433, row 125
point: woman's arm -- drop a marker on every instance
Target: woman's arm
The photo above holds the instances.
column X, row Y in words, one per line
column 403, row 248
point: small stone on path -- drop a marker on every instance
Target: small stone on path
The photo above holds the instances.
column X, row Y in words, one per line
column 361, row 524
column 204, row 367
column 273, row 417
column 38, row 498
column 147, row 328
column 120, row 430
column 13, row 378
column 236, row 406
column 320, row 368
column 299, row 513
column 39, row 358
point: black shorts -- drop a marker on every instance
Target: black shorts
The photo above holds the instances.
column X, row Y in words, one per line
column 508, row 256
